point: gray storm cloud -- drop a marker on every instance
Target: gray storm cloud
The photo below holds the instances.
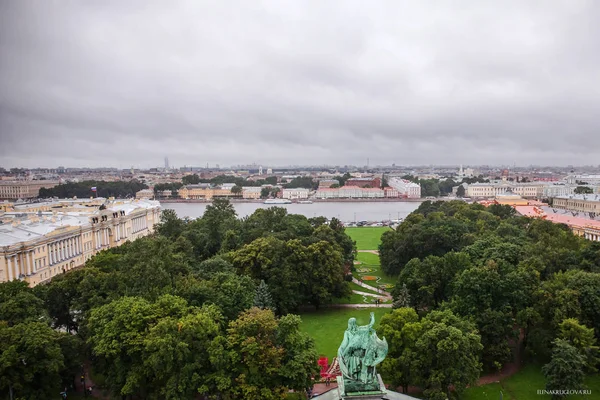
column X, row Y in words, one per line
column 121, row 83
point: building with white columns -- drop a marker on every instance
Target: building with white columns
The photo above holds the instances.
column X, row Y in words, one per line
column 41, row 240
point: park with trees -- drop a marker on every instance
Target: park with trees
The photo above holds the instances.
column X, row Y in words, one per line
column 220, row 307
column 528, row 288
column 83, row 189
column 202, row 307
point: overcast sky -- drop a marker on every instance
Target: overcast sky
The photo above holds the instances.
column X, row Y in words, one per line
column 124, row 82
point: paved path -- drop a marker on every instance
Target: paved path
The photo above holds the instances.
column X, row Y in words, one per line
column 379, row 296
column 388, row 305
column 380, row 291
column 369, row 251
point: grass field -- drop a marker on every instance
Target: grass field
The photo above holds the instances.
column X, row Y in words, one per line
column 354, row 298
column 524, row 386
column 371, row 261
column 367, row 238
column 327, row 326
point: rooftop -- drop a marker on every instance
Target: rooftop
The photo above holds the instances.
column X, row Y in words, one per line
column 559, row 218
column 28, row 182
column 588, row 197
column 24, row 225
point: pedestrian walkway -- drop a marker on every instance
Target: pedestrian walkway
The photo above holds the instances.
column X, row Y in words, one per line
column 368, row 251
column 380, row 291
column 379, row 296
column 388, row 305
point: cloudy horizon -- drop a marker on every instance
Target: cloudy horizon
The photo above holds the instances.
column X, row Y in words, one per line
column 122, row 83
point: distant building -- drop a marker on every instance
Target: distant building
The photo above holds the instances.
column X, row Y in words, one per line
column 587, row 203
column 41, row 240
column 556, row 189
column 145, row 194
column 587, row 228
column 390, row 192
column 204, row 191
column 405, row 188
column 465, row 173
column 251, row 192
column 491, row 189
column 296, row 193
column 13, row 190
column 364, row 182
column 349, row 192
column 584, row 179
column 327, row 183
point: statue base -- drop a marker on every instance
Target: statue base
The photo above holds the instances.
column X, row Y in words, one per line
column 348, row 389
column 342, row 393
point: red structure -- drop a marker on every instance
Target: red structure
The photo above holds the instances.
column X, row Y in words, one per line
column 329, row 371
column 324, row 364
column 362, row 182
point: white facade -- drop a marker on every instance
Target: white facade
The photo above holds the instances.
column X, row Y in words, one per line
column 36, row 244
column 489, row 190
column 405, row 188
column 295, row 193
column 349, row 192
column 588, row 179
column 555, row 190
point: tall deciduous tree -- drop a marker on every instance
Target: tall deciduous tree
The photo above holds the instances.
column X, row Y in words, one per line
column 19, row 304
column 269, row 356
column 582, row 338
column 401, row 328
column 446, row 354
column 170, row 226
column 31, row 361
column 157, row 350
column 565, row 370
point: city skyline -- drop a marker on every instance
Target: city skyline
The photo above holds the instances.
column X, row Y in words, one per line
column 116, row 84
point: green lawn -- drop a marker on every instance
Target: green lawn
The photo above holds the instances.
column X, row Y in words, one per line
column 354, row 298
column 327, row 326
column 371, row 261
column 367, row 238
column 524, row 386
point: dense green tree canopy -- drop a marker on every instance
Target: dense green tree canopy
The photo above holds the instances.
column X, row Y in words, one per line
column 166, row 316
column 119, row 189
column 170, row 315
column 565, row 371
column 512, row 276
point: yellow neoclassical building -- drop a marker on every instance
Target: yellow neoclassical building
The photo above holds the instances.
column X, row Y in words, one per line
column 204, row 191
column 587, row 203
column 23, row 189
column 41, row 240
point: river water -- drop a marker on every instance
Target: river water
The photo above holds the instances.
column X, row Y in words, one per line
column 344, row 211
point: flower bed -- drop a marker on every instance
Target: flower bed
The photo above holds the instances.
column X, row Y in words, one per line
column 363, row 270
column 369, row 278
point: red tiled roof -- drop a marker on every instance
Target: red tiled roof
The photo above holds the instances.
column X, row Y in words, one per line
column 536, row 212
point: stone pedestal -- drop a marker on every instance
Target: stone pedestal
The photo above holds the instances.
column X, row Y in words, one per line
column 347, row 393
